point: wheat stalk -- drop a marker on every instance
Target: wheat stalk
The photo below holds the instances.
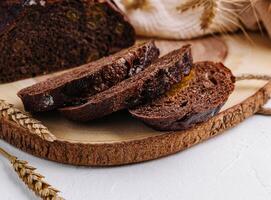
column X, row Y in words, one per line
column 264, row 111
column 136, row 4
column 31, row 178
column 253, row 77
column 208, row 14
column 23, row 120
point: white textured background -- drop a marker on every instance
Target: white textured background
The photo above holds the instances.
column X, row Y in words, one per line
column 235, row 165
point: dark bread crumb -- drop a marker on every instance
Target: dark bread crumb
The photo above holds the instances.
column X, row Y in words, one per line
column 72, row 87
column 192, row 101
column 141, row 88
column 39, row 37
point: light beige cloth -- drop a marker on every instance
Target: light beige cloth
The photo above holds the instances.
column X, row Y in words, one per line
column 165, row 18
column 258, row 16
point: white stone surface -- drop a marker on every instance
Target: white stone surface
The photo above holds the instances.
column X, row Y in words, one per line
column 235, row 165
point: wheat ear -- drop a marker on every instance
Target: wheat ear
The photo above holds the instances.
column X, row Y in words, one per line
column 23, row 120
column 208, row 14
column 209, row 10
column 32, row 179
column 190, row 4
column 136, row 4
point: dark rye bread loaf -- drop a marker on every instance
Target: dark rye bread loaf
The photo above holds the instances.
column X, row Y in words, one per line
column 141, row 88
column 76, row 84
column 197, row 98
column 42, row 36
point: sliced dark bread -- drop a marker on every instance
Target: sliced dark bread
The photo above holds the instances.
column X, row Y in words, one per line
column 141, row 88
column 89, row 79
column 42, row 36
column 197, row 98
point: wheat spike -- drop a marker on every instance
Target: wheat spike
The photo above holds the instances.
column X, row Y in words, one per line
column 33, row 180
column 190, row 4
column 23, row 120
column 136, row 4
column 208, row 14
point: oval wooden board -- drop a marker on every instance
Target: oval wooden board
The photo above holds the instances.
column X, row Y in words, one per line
column 119, row 139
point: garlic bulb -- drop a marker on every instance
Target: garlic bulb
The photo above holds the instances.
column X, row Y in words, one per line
column 185, row 19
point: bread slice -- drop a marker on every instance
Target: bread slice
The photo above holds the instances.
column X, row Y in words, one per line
column 87, row 80
column 42, row 36
column 141, row 88
column 197, row 98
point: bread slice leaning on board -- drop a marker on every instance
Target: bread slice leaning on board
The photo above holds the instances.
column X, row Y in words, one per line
column 73, row 86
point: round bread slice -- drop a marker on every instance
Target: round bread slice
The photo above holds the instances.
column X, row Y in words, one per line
column 141, row 88
column 195, row 99
column 88, row 79
column 43, row 36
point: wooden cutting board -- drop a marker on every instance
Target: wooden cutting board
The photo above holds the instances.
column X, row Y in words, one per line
column 119, row 139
